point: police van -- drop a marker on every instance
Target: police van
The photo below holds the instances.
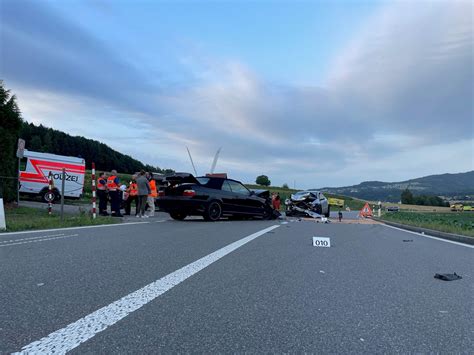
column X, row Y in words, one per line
column 34, row 179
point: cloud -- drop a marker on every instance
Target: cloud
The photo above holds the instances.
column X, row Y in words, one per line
column 401, row 90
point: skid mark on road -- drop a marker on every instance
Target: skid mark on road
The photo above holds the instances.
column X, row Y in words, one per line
column 35, row 240
column 70, row 337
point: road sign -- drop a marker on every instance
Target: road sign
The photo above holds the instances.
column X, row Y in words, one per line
column 321, row 242
column 366, row 211
column 21, row 148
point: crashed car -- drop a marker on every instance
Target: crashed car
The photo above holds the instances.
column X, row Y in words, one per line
column 308, row 203
column 212, row 198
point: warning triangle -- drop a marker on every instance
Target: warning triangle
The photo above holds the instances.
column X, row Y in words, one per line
column 366, row 211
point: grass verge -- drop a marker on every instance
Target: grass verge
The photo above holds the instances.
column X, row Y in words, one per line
column 26, row 218
column 457, row 223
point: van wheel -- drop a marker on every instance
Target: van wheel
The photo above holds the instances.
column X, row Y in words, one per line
column 213, row 211
column 47, row 196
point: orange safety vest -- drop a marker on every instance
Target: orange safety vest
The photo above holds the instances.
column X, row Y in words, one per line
column 101, row 184
column 111, row 185
column 153, row 193
column 133, row 189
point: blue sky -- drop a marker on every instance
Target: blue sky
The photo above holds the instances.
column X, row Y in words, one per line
column 326, row 93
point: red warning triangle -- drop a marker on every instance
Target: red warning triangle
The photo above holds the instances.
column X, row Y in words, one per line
column 366, row 211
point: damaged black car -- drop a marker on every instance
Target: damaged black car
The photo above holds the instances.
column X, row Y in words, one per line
column 212, row 198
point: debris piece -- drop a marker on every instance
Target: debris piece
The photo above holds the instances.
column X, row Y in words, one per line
column 321, row 271
column 407, row 240
column 447, row 277
column 40, row 284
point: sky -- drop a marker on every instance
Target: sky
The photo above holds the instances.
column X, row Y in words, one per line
column 309, row 93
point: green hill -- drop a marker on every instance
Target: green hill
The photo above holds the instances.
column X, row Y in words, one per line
column 450, row 186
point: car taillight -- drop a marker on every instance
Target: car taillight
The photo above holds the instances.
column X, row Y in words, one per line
column 161, row 193
column 189, row 193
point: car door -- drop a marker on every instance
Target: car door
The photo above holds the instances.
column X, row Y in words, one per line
column 229, row 198
column 244, row 202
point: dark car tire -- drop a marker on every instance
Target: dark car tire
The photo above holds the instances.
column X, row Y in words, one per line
column 213, row 211
column 328, row 213
column 267, row 213
column 179, row 216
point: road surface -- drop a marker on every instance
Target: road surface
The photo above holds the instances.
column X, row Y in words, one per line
column 233, row 286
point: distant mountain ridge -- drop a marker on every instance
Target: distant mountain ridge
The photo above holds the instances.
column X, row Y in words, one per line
column 453, row 186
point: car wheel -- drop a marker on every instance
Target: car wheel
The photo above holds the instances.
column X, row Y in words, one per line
column 267, row 213
column 213, row 211
column 328, row 212
column 179, row 216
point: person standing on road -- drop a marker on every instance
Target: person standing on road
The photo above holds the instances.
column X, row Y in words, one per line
column 340, row 215
column 143, row 187
column 113, row 185
column 277, row 201
column 132, row 196
column 102, row 194
column 152, row 195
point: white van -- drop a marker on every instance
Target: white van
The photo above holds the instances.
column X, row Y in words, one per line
column 34, row 179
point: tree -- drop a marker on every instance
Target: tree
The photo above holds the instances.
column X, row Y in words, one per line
column 285, row 186
column 407, row 197
column 10, row 124
column 263, row 180
column 35, row 144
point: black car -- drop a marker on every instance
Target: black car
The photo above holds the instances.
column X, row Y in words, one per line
column 212, row 198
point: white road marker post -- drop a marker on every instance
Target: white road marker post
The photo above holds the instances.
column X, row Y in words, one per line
column 94, row 214
column 3, row 224
column 63, row 182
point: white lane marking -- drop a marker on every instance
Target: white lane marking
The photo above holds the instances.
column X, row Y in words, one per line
column 76, row 333
column 38, row 240
column 73, row 228
column 429, row 236
column 18, row 240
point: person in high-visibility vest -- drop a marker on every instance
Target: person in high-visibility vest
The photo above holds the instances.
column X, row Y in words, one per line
column 113, row 186
column 152, row 195
column 102, row 194
column 132, row 191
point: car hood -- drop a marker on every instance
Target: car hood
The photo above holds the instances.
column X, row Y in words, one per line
column 301, row 196
column 261, row 193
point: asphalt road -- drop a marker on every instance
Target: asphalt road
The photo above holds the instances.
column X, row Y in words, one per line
column 210, row 290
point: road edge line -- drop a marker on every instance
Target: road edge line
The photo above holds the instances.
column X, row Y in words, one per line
column 72, row 228
column 429, row 236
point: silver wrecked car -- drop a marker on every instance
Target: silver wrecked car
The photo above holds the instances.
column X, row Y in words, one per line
column 309, row 203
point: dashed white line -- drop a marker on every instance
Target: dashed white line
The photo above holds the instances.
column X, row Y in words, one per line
column 18, row 240
column 76, row 333
column 38, row 240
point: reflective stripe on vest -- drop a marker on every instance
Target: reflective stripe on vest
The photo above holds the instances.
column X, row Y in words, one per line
column 111, row 185
column 153, row 189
